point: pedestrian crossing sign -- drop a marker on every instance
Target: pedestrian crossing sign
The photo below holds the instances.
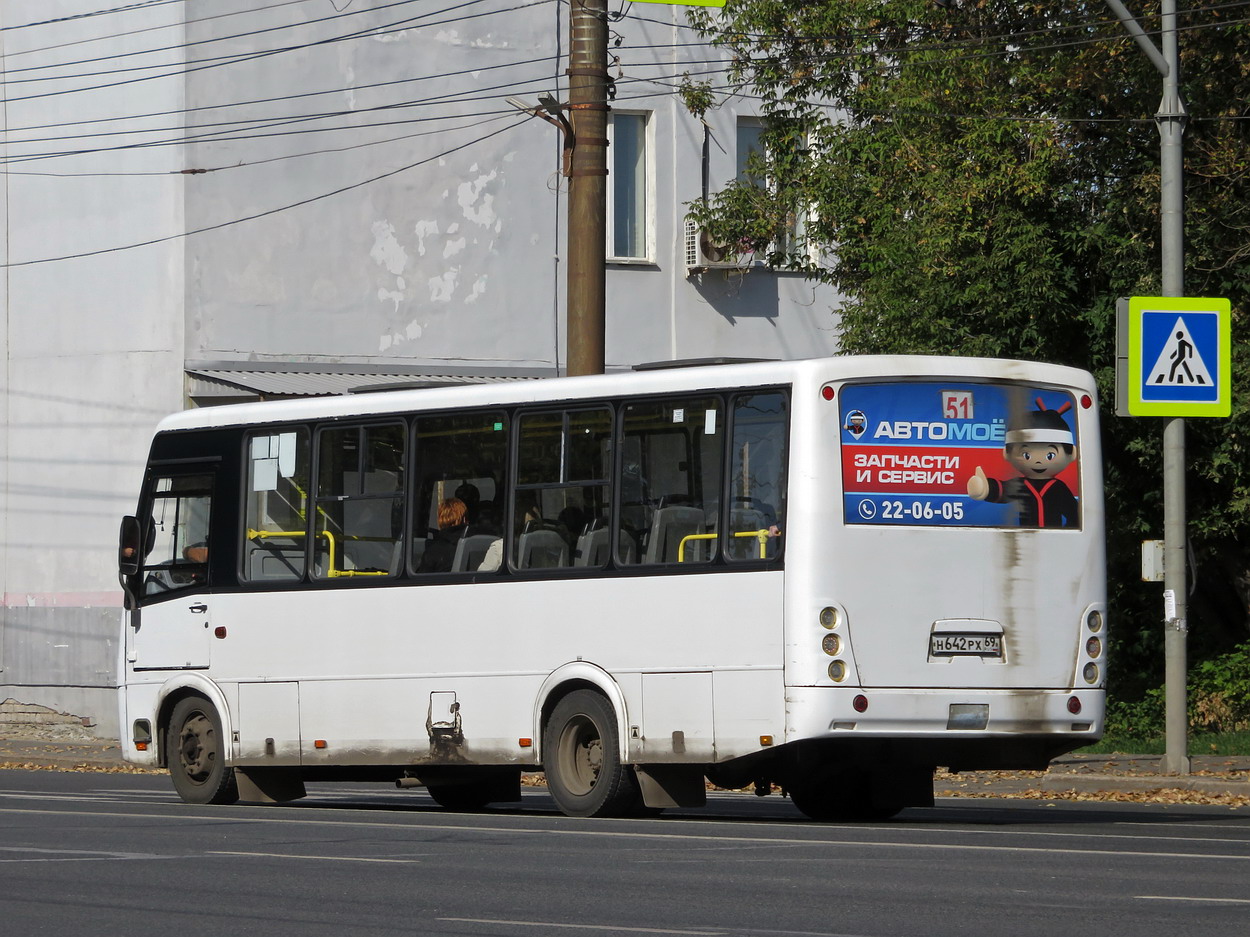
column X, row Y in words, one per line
column 1179, row 356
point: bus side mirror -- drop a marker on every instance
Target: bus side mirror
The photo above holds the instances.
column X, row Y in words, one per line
column 129, row 546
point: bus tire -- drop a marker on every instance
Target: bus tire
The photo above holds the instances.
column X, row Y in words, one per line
column 463, row 798
column 581, row 758
column 841, row 797
column 197, row 754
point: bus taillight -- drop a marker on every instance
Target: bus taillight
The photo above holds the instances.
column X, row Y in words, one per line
column 860, row 703
column 1074, row 705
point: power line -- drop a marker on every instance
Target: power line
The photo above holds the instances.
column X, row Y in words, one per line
column 497, row 115
column 853, row 36
column 253, row 132
column 80, row 16
column 177, row 24
column 282, row 98
column 272, row 211
column 183, row 70
column 197, row 42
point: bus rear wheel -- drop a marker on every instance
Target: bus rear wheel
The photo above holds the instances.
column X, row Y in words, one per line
column 581, row 758
column 843, row 796
column 197, row 754
column 465, row 798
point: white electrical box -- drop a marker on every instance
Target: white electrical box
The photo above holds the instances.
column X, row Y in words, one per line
column 1152, row 561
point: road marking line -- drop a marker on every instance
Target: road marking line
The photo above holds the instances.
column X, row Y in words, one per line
column 612, row 928
column 73, row 855
column 1184, row 898
column 291, row 855
column 355, row 824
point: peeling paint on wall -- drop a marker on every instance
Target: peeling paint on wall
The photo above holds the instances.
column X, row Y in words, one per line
column 478, row 206
column 394, row 296
column 422, row 230
column 451, row 37
column 386, row 250
column 442, row 288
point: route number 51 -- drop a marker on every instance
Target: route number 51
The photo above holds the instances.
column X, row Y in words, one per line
column 957, row 404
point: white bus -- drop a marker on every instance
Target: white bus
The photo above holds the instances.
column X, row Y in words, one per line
column 832, row 575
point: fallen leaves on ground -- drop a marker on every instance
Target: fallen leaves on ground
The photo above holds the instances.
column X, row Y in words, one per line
column 80, row 768
column 1162, row 795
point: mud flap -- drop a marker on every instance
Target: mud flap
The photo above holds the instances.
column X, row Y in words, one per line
column 671, row 785
column 269, row 785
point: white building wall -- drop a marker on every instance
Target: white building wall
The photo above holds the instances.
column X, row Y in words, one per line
column 379, row 223
column 457, row 259
column 92, row 351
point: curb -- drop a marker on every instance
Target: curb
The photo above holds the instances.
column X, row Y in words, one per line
column 30, row 754
column 1097, row 783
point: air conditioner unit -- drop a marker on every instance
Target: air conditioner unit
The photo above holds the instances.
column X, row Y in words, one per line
column 704, row 253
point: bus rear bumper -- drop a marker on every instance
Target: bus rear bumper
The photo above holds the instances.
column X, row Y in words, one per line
column 956, row 724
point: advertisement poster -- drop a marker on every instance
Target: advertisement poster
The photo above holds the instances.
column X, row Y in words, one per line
column 956, row 454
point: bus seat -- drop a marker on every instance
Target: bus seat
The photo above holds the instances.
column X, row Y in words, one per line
column 469, row 551
column 542, row 549
column 272, row 561
column 592, row 547
column 668, row 527
column 636, row 515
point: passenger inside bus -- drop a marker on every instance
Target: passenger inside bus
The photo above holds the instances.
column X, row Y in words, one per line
column 440, row 551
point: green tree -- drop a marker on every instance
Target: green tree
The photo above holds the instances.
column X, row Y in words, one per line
column 985, row 176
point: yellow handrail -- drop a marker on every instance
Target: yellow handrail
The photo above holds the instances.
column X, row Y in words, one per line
column 331, row 572
column 760, row 535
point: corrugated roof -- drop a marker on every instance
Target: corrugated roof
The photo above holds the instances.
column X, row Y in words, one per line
column 217, row 382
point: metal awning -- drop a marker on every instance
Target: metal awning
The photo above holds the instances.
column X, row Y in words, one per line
column 251, row 380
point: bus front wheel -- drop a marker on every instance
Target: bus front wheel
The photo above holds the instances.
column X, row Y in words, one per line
column 581, row 759
column 197, row 754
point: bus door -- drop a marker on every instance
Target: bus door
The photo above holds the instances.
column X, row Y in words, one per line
column 171, row 625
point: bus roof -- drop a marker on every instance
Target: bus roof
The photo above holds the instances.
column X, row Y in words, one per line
column 626, row 383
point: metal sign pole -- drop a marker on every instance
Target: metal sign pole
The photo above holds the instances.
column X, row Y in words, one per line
column 1170, row 119
column 1171, row 123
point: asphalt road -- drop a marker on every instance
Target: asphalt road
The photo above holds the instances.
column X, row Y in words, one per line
column 103, row 854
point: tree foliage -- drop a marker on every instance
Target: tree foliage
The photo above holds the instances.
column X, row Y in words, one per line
column 985, row 176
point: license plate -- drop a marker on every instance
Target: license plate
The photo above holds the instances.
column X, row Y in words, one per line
column 959, row 644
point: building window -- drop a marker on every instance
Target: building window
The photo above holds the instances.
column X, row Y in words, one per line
column 750, row 146
column 630, row 204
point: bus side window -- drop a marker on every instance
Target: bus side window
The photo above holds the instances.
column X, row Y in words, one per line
column 670, row 480
column 461, row 457
column 176, row 538
column 275, row 535
column 358, row 516
column 564, row 459
column 757, row 494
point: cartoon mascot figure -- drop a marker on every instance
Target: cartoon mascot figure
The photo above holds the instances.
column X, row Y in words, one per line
column 1039, row 447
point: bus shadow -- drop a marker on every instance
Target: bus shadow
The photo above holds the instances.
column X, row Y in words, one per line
column 987, row 812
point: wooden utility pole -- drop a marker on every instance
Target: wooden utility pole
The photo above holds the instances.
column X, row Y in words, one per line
column 588, row 185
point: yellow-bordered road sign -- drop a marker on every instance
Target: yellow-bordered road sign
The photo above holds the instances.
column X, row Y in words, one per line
column 1179, row 356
